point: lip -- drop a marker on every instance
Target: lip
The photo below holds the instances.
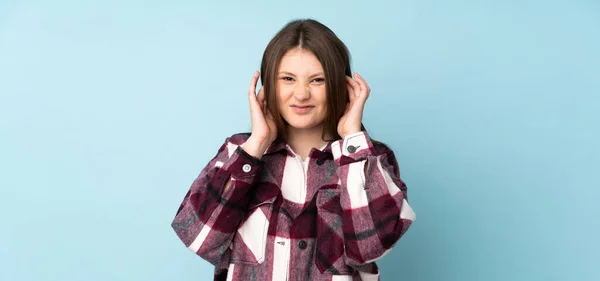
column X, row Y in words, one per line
column 301, row 109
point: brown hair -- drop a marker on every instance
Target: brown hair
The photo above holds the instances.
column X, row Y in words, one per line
column 333, row 55
column 331, row 52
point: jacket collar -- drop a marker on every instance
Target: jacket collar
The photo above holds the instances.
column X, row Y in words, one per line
column 280, row 146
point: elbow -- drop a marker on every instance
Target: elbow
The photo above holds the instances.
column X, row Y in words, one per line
column 369, row 256
column 197, row 242
column 380, row 244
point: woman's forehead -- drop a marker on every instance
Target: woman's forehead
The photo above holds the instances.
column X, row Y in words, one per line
column 300, row 62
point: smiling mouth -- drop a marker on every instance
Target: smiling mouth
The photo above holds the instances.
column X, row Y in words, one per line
column 301, row 109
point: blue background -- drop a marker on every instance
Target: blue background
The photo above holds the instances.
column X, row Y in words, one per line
column 109, row 110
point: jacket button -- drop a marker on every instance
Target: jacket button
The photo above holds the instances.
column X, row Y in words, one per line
column 351, row 148
column 246, row 168
column 302, row 244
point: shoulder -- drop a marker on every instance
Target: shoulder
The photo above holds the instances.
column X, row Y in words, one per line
column 238, row 138
column 231, row 142
column 381, row 148
column 385, row 152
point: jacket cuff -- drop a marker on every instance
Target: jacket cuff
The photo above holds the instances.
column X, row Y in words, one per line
column 243, row 166
column 354, row 147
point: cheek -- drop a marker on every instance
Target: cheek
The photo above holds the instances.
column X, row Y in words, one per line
column 321, row 95
column 282, row 98
column 283, row 92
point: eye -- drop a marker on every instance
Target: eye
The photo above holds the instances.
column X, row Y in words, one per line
column 319, row 80
column 287, row 79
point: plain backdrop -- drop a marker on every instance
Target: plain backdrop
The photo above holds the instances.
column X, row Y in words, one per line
column 110, row 109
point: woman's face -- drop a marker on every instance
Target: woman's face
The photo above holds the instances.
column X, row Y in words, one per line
column 301, row 92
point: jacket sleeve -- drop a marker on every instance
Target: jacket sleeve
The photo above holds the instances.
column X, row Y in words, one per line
column 209, row 215
column 376, row 212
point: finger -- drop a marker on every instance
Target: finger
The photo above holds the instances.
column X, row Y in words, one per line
column 255, row 106
column 252, row 88
column 264, row 108
column 351, row 94
column 364, row 90
column 354, row 85
column 261, row 99
column 364, row 87
column 352, row 97
column 261, row 95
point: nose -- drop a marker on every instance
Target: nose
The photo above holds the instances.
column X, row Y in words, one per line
column 301, row 92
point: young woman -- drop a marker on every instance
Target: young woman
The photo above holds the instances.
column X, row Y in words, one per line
column 307, row 195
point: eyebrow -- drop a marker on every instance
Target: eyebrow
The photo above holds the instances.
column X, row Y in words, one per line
column 292, row 74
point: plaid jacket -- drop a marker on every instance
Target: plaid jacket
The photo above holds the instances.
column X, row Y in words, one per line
column 328, row 217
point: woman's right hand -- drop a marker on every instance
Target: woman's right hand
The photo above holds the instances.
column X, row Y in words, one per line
column 264, row 129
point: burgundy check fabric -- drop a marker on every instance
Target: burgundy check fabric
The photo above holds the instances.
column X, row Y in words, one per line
column 328, row 217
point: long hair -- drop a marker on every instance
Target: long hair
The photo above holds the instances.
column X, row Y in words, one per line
column 333, row 55
column 331, row 52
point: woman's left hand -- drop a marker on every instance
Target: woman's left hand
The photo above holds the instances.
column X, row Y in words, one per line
column 351, row 121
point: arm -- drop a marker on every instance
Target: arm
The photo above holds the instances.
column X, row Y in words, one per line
column 374, row 199
column 216, row 202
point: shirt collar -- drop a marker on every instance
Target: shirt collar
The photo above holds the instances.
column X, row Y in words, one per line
column 280, row 145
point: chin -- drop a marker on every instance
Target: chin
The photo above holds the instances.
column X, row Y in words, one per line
column 301, row 124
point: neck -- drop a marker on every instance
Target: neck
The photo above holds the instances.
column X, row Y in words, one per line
column 302, row 140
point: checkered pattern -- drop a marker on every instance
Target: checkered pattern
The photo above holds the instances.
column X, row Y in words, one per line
column 328, row 217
